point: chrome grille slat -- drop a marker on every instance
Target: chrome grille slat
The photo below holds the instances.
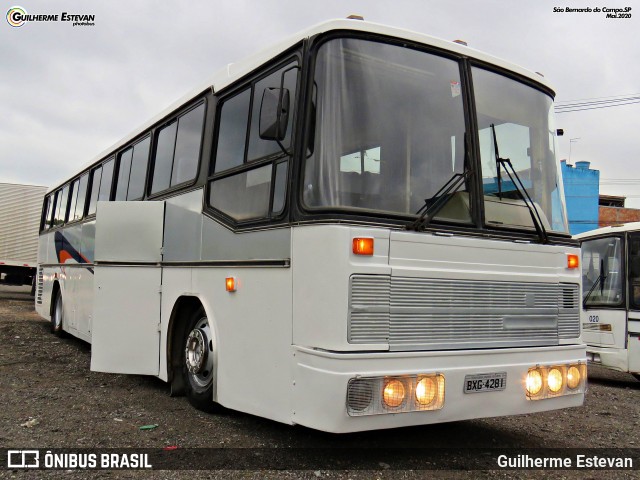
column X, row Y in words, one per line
column 422, row 313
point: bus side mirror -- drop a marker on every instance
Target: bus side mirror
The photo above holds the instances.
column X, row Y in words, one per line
column 274, row 114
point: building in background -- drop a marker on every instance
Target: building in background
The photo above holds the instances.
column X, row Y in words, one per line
column 613, row 212
column 581, row 191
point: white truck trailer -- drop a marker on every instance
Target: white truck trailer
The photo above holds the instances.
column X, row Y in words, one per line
column 20, row 213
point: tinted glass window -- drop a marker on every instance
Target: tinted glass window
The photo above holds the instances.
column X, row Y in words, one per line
column 82, row 194
column 48, row 210
column 233, row 131
column 74, row 199
column 602, row 281
column 243, row 196
column 389, row 131
column 138, row 169
column 280, row 188
column 513, row 121
column 95, row 188
column 187, row 152
column 61, row 207
column 107, row 180
column 634, row 271
column 164, row 158
column 124, row 169
column 259, row 148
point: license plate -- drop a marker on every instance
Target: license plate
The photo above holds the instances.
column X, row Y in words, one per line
column 485, row 382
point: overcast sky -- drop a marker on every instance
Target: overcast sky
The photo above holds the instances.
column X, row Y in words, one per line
column 67, row 93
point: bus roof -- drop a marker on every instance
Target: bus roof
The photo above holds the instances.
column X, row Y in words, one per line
column 236, row 71
column 610, row 230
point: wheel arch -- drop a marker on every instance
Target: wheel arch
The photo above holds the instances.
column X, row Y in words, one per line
column 184, row 306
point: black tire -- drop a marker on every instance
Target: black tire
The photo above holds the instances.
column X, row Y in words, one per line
column 637, row 375
column 57, row 315
column 198, row 362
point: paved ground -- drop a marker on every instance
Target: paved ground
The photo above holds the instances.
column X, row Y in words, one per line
column 50, row 399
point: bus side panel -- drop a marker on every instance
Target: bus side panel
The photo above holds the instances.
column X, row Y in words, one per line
column 126, row 336
column 46, row 254
column 69, row 240
column 254, row 328
column 183, row 227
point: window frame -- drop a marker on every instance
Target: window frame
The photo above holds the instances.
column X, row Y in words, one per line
column 302, row 214
column 118, row 165
column 174, row 117
column 623, row 304
column 294, row 59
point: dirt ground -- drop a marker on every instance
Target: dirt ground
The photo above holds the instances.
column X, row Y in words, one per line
column 49, row 398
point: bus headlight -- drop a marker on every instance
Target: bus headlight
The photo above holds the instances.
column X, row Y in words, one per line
column 554, row 380
column 426, row 390
column 573, row 377
column 393, row 393
column 534, row 382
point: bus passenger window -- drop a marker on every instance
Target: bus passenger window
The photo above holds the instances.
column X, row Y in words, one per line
column 78, row 212
column 233, row 132
column 138, row 169
column 107, row 180
column 124, row 170
column 95, row 188
column 185, row 161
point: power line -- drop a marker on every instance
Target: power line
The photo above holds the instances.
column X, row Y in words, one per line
column 596, row 103
column 596, row 98
column 580, row 109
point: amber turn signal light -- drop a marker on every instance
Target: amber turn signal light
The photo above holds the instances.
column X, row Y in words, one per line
column 231, row 284
column 573, row 261
column 363, row 246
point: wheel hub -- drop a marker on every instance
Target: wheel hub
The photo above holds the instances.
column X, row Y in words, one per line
column 196, row 350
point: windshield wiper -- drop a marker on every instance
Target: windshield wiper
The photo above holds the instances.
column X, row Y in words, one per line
column 430, row 208
column 442, row 197
column 506, row 162
column 599, row 281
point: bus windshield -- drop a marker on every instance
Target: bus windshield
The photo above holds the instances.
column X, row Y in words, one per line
column 389, row 133
column 602, row 271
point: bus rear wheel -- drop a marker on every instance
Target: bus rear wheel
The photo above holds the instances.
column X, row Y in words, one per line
column 57, row 317
column 198, row 357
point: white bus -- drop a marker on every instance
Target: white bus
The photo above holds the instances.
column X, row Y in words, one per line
column 360, row 228
column 611, row 296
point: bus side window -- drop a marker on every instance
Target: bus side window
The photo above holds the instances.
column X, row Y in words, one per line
column 78, row 213
column 634, row 270
column 258, row 190
column 138, row 169
column 96, row 176
column 177, row 150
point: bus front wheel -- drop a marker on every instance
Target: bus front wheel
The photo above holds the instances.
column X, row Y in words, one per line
column 198, row 359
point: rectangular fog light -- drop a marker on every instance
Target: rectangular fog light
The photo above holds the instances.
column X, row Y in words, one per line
column 555, row 380
column 397, row 394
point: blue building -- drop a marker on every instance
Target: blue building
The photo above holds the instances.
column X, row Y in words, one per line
column 581, row 191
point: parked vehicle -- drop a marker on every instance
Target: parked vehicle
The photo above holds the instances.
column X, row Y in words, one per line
column 331, row 234
column 611, row 296
column 20, row 214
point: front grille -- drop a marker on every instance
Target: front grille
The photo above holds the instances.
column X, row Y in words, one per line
column 420, row 313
